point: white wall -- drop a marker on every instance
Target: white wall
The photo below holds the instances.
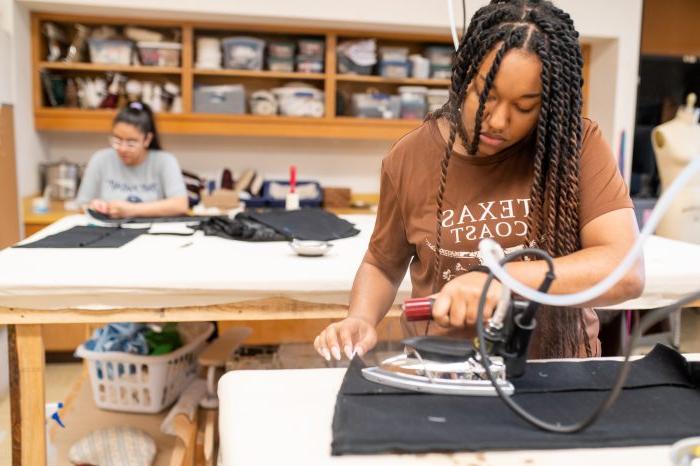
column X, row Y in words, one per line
column 612, row 27
column 29, row 149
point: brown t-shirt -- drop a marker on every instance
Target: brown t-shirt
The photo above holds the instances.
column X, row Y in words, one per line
column 484, row 197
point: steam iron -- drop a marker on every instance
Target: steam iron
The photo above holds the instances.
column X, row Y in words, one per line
column 439, row 365
column 446, row 366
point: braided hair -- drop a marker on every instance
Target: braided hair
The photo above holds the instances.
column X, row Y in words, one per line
column 538, row 27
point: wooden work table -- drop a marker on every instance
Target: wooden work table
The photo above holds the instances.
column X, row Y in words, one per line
column 66, row 337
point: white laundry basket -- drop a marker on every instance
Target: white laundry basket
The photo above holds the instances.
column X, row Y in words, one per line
column 145, row 384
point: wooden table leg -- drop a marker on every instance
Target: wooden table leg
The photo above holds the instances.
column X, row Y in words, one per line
column 27, row 403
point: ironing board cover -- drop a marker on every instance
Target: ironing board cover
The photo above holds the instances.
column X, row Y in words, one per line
column 660, row 404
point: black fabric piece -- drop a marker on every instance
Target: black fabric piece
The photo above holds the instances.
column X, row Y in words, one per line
column 239, row 228
column 660, row 404
column 306, row 224
column 88, row 237
column 122, row 221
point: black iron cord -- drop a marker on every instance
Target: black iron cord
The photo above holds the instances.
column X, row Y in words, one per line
column 646, row 323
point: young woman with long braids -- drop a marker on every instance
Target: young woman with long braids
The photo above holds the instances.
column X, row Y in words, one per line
column 510, row 158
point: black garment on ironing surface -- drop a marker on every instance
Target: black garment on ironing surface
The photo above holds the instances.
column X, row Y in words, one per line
column 306, row 224
column 88, row 237
column 241, row 228
column 660, row 404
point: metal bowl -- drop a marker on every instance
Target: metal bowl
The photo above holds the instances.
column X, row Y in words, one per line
column 310, row 248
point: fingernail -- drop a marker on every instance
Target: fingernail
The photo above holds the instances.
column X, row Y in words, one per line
column 348, row 351
column 326, row 354
column 336, row 353
column 359, row 351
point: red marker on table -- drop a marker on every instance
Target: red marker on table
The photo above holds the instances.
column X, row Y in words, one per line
column 292, row 178
column 292, row 200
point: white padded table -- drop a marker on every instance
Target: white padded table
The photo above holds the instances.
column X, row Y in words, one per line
column 284, row 417
column 162, row 271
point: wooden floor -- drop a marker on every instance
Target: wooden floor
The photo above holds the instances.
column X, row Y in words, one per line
column 61, row 377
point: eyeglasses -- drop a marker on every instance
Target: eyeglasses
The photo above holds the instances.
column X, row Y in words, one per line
column 129, row 144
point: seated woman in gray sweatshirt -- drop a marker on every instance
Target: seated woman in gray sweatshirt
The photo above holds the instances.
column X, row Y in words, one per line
column 134, row 178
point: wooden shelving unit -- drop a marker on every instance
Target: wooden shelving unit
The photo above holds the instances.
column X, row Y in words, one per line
column 97, row 67
column 330, row 126
column 188, row 122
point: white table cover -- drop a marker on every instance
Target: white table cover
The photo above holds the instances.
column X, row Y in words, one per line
column 284, row 417
column 164, row 271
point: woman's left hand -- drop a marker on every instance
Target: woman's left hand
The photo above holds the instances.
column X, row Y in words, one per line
column 456, row 304
column 120, row 209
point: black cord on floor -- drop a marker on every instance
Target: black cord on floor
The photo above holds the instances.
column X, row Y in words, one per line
column 645, row 324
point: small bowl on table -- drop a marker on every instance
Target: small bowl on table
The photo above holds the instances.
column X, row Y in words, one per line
column 310, row 248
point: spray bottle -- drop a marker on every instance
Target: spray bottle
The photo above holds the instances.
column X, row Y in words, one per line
column 51, row 413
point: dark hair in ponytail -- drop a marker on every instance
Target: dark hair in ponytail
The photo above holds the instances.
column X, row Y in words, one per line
column 140, row 115
column 548, row 32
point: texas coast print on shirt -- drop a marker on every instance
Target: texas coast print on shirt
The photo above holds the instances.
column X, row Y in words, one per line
column 505, row 221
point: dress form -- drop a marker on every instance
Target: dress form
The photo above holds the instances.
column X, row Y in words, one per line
column 676, row 143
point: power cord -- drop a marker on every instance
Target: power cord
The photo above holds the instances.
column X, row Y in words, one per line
column 645, row 324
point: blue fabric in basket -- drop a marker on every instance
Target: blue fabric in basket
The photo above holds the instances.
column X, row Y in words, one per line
column 122, row 337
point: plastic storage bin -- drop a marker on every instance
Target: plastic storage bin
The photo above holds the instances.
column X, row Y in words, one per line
column 441, row 71
column 306, row 64
column 159, row 53
column 311, row 47
column 347, row 66
column 144, row 384
column 393, row 54
column 439, row 55
column 437, row 98
column 281, row 49
column 243, row 53
column 300, row 101
column 280, row 64
column 376, row 105
column 208, row 53
column 110, row 51
column 413, row 102
column 228, row 98
column 394, row 69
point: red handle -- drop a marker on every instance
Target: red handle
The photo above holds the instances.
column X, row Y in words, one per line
column 292, row 178
column 418, row 309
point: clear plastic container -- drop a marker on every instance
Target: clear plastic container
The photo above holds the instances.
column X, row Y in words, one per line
column 307, row 64
column 300, row 101
column 280, row 64
column 228, row 98
column 437, row 98
column 441, row 71
column 243, row 53
column 439, row 55
column 347, row 66
column 393, row 54
column 311, row 47
column 376, row 105
column 110, row 51
column 394, row 69
column 159, row 53
column 413, row 102
column 281, row 49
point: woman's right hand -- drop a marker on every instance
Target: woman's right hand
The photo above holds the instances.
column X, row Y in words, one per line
column 100, row 206
column 353, row 335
